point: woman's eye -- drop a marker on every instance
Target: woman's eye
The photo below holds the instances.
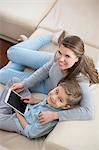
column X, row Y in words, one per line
column 59, row 53
column 67, row 56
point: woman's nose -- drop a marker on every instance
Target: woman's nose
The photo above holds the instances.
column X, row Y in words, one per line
column 62, row 58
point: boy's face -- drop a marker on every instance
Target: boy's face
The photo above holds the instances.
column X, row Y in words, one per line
column 57, row 98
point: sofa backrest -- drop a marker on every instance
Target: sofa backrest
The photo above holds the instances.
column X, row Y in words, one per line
column 80, row 17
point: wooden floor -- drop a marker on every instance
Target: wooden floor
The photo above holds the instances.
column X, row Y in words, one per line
column 4, row 45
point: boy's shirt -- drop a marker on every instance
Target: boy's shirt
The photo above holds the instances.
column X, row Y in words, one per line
column 34, row 128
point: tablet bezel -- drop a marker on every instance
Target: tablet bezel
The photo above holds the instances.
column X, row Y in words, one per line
column 7, row 98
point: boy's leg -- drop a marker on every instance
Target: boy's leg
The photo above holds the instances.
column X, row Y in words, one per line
column 7, row 122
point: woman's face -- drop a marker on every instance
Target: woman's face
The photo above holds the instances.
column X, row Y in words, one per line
column 65, row 58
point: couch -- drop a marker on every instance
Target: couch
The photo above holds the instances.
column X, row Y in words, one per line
column 76, row 17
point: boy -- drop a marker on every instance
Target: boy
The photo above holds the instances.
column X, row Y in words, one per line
column 65, row 96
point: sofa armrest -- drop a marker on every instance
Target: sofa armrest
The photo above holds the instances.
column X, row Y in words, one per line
column 73, row 135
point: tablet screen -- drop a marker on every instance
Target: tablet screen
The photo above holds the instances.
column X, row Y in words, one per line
column 14, row 100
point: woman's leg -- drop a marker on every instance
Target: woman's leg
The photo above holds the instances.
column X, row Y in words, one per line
column 7, row 74
column 12, row 65
column 24, row 52
column 27, row 57
column 33, row 59
column 15, row 70
column 34, row 44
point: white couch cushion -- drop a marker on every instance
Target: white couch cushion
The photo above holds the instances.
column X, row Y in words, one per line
column 13, row 141
column 22, row 17
column 3, row 148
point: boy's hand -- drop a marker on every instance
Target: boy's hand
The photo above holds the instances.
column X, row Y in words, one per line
column 45, row 117
column 18, row 87
column 17, row 113
column 30, row 100
column 21, row 120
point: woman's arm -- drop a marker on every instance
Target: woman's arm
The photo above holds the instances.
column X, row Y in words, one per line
column 82, row 112
column 39, row 75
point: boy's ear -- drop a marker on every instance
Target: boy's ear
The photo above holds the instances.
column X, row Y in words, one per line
column 67, row 106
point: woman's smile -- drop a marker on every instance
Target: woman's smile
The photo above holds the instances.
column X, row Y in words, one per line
column 62, row 65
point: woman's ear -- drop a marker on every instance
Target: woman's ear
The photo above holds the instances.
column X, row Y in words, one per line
column 76, row 59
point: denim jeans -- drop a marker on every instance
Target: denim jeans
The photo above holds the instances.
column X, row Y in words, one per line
column 27, row 54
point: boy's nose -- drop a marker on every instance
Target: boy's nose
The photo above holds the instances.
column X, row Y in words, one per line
column 54, row 97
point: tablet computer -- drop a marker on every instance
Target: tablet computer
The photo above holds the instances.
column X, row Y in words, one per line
column 13, row 99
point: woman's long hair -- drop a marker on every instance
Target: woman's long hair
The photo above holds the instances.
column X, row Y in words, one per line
column 85, row 65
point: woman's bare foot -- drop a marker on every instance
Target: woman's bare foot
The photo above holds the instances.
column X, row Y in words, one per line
column 22, row 38
column 58, row 37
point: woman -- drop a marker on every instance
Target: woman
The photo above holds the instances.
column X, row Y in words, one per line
column 69, row 62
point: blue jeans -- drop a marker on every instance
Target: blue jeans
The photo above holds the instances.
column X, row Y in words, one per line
column 26, row 54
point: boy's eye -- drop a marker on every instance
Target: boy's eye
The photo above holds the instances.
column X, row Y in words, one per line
column 56, row 91
column 61, row 100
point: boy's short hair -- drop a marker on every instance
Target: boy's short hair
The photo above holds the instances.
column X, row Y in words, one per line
column 73, row 90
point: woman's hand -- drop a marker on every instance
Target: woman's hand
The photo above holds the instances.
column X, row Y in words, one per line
column 18, row 87
column 45, row 117
column 30, row 100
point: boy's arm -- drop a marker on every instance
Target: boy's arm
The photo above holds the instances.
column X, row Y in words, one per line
column 32, row 130
column 21, row 120
column 36, row 129
column 31, row 100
